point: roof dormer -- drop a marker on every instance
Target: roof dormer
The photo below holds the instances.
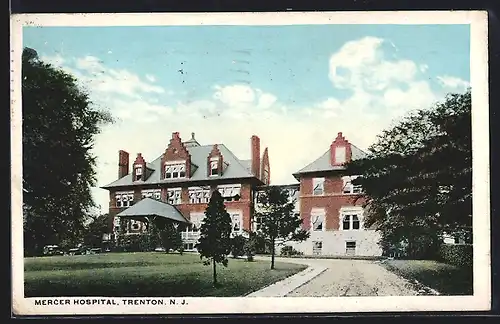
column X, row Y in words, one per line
column 340, row 151
column 215, row 162
column 139, row 168
column 176, row 161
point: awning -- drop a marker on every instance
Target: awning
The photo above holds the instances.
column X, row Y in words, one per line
column 148, row 207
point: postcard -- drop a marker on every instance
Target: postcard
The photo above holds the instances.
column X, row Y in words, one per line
column 250, row 163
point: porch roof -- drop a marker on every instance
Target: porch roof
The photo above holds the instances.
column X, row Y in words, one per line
column 151, row 207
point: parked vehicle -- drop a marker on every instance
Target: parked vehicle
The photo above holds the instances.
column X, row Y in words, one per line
column 52, row 250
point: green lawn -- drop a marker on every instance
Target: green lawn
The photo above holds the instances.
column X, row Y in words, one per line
column 145, row 274
column 445, row 278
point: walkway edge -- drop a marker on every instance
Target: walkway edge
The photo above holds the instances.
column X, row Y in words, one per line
column 287, row 285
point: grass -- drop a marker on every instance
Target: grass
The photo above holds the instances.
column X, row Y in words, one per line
column 146, row 274
column 445, row 278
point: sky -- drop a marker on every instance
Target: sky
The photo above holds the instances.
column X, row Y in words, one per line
column 294, row 86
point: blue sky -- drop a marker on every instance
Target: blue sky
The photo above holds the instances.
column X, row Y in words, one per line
column 295, row 86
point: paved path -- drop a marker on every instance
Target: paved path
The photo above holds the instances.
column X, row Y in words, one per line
column 338, row 278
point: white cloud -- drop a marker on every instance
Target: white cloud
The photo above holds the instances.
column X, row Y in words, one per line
column 380, row 90
column 361, row 64
column 94, row 75
column 423, row 68
column 151, row 78
column 453, row 83
column 56, row 60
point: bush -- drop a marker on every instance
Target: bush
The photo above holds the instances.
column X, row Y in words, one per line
column 289, row 251
column 137, row 243
column 238, row 246
column 457, row 254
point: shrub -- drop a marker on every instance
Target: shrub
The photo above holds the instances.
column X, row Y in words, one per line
column 289, row 251
column 238, row 246
column 457, row 254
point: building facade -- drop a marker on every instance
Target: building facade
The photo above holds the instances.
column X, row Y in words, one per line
column 331, row 206
column 185, row 175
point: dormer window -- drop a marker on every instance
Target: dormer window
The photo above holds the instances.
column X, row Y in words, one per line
column 175, row 170
column 340, row 154
column 138, row 173
column 266, row 175
column 214, row 167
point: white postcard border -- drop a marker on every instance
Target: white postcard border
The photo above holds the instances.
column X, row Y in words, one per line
column 211, row 305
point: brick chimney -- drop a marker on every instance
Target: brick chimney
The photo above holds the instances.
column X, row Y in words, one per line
column 255, row 155
column 123, row 161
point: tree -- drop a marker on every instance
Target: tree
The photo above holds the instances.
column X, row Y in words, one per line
column 95, row 230
column 59, row 126
column 169, row 234
column 417, row 178
column 279, row 224
column 215, row 239
column 238, row 245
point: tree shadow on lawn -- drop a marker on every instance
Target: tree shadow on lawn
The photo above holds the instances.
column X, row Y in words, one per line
column 445, row 278
column 172, row 280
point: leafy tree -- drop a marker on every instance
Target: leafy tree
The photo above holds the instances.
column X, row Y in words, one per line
column 59, row 126
column 215, row 239
column 169, row 234
column 418, row 177
column 95, row 230
column 238, row 245
column 279, row 224
column 250, row 246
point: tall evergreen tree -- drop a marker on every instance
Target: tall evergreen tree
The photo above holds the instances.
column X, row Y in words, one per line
column 278, row 222
column 215, row 239
column 59, row 127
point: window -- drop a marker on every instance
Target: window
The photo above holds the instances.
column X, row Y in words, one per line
column 175, row 170
column 317, row 221
column 124, row 199
column 214, row 167
column 138, row 172
column 151, row 193
column 236, row 222
column 318, row 186
column 317, row 247
column 199, row 195
column 340, row 154
column 174, row 196
column 189, row 246
column 350, row 247
column 349, row 187
column 350, row 222
column 257, row 225
column 230, row 192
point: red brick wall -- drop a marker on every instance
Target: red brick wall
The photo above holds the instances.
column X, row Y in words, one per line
column 332, row 200
column 255, row 155
column 244, row 204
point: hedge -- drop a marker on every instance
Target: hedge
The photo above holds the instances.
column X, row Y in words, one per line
column 456, row 254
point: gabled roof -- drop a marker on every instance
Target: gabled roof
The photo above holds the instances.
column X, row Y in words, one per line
column 323, row 162
column 150, row 207
column 235, row 169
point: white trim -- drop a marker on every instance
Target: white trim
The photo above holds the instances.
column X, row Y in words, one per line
column 175, row 162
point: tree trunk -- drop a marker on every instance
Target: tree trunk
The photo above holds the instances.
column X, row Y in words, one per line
column 272, row 253
column 215, row 272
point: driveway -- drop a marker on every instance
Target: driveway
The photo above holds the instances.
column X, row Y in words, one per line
column 351, row 278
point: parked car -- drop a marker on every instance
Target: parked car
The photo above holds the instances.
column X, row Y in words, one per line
column 52, row 250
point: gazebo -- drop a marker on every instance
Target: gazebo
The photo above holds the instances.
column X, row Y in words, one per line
column 149, row 209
